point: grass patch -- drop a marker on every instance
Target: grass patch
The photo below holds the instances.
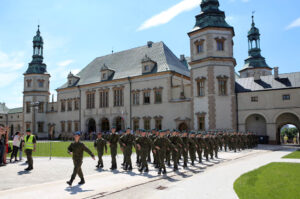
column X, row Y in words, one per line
column 294, row 155
column 273, row 181
column 60, row 149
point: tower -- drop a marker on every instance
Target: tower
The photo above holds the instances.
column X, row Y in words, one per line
column 255, row 64
column 36, row 90
column 212, row 70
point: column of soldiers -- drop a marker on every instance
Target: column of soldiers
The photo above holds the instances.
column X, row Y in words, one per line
column 170, row 146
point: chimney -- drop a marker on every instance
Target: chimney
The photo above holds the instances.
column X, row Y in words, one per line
column 182, row 57
column 149, row 44
column 276, row 72
column 256, row 76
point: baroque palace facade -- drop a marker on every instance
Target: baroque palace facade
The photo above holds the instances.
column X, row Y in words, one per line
column 149, row 87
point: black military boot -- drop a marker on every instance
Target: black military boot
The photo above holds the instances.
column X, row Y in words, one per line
column 175, row 169
column 70, row 181
column 97, row 166
column 101, row 166
column 184, row 165
column 125, row 167
column 130, row 168
column 164, row 171
column 141, row 169
column 81, row 182
column 192, row 163
column 146, row 170
column 159, row 171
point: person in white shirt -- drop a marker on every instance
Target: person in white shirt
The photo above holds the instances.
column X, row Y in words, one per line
column 16, row 146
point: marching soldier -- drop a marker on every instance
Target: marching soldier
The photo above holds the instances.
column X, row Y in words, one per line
column 127, row 141
column 29, row 147
column 76, row 149
column 177, row 144
column 192, row 147
column 113, row 140
column 100, row 145
column 168, row 150
column 185, row 148
column 161, row 144
column 143, row 143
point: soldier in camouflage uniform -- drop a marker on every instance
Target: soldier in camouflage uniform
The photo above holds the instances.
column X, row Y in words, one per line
column 76, row 149
column 177, row 144
column 143, row 142
column 160, row 147
column 200, row 146
column 113, row 140
column 168, row 151
column 185, row 148
column 100, row 145
column 192, row 147
column 137, row 150
column 126, row 142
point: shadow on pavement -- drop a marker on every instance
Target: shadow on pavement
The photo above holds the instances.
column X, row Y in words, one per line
column 76, row 189
column 23, row 172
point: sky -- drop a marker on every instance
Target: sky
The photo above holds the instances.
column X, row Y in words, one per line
column 75, row 32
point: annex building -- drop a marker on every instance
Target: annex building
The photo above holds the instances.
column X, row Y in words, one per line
column 149, row 87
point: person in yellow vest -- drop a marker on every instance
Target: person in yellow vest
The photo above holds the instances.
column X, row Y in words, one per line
column 29, row 147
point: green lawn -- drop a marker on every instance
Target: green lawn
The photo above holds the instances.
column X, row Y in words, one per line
column 294, row 155
column 59, row 149
column 273, row 181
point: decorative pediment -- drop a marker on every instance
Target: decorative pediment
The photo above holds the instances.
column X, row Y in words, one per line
column 200, row 113
column 202, row 78
column 222, row 77
column 199, row 42
column 136, row 118
column 180, row 119
column 158, row 117
column 147, row 118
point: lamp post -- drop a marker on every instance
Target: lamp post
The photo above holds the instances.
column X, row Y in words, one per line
column 35, row 106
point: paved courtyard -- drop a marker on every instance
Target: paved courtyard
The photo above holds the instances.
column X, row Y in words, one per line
column 212, row 179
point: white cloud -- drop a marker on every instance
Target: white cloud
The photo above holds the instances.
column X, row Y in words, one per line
column 65, row 63
column 167, row 15
column 11, row 62
column 294, row 24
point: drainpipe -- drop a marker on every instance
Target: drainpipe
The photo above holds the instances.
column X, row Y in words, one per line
column 130, row 104
column 237, row 112
column 79, row 108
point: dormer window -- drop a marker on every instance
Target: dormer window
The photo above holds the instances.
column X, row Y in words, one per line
column 147, row 64
column 72, row 79
column 220, row 43
column 70, row 82
column 199, row 46
column 106, row 73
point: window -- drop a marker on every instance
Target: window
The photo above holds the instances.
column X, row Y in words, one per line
column 28, row 106
column 28, row 83
column 63, row 127
column 158, row 96
column 103, row 98
column 220, row 43
column 147, row 123
column 76, row 126
column 146, row 97
column 286, row 97
column 136, row 124
column 201, row 87
column 158, row 122
column 146, row 68
column 1, row 117
column 222, row 86
column 118, row 97
column 63, row 105
column 76, row 104
column 104, row 76
column 136, row 98
column 69, row 126
column 70, row 82
column 201, row 123
column 40, row 127
column 90, row 100
column 199, row 46
column 41, row 83
column 41, row 107
column 69, row 105
column 28, row 125
column 254, row 99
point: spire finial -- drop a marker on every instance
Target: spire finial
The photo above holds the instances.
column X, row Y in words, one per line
column 253, row 12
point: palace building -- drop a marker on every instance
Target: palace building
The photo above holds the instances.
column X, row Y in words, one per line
column 149, row 87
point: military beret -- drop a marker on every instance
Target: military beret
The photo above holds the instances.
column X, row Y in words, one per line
column 77, row 133
column 28, row 130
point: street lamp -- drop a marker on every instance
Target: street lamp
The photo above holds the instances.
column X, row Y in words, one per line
column 35, row 106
